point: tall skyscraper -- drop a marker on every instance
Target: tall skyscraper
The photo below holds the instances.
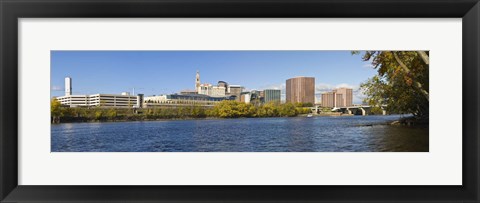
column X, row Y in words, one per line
column 300, row 89
column 68, row 86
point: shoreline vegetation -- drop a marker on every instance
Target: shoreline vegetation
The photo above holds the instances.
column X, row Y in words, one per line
column 224, row 109
column 402, row 82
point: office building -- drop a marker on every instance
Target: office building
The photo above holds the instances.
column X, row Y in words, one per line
column 211, row 90
column 222, row 89
column 347, row 96
column 338, row 100
column 328, row 99
column 74, row 100
column 183, row 100
column 245, row 97
column 223, row 84
column 188, row 92
column 235, row 90
column 341, row 97
column 300, row 90
column 104, row 100
column 256, row 97
column 271, row 95
column 114, row 100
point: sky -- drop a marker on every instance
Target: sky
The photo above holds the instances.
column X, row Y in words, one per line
column 167, row 72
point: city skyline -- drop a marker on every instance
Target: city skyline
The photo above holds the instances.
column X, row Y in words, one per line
column 155, row 72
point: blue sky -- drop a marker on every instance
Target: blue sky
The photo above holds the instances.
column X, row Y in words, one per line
column 166, row 72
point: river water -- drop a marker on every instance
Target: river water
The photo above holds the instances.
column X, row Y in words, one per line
column 296, row 134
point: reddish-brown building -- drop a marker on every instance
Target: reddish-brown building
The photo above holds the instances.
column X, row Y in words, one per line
column 328, row 99
column 300, row 89
column 347, row 96
column 341, row 97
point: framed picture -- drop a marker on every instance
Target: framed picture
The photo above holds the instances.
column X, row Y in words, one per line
column 229, row 101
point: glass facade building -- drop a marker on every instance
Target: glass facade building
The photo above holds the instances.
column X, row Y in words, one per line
column 271, row 95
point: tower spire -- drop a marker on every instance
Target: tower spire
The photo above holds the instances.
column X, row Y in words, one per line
column 197, row 81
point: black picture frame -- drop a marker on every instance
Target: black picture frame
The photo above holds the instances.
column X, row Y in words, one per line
column 12, row 10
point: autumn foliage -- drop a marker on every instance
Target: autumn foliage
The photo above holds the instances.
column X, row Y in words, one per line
column 401, row 83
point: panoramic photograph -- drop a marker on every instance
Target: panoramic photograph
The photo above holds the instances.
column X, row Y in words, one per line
column 239, row 101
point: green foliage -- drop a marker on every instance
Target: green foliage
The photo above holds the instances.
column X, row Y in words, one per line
column 303, row 110
column 287, row 110
column 224, row 109
column 98, row 114
column 376, row 110
column 299, row 104
column 401, row 83
column 234, row 109
column 112, row 114
column 55, row 110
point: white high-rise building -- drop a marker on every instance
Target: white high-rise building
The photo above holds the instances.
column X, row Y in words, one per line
column 68, row 86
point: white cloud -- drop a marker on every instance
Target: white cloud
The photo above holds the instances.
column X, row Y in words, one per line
column 322, row 87
column 347, row 86
column 57, row 88
column 275, row 87
column 358, row 96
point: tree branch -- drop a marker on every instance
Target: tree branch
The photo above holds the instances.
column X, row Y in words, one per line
column 424, row 57
column 407, row 70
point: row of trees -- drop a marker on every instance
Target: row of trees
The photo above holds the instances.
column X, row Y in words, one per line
column 224, row 109
column 234, row 109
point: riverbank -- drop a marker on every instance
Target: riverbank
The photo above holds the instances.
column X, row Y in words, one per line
column 411, row 121
column 404, row 121
column 140, row 118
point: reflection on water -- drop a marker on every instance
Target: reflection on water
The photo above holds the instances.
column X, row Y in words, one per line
column 297, row 134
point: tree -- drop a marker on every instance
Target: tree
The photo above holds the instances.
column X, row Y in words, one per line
column 401, row 83
column 98, row 114
column 112, row 114
column 287, row 109
column 55, row 110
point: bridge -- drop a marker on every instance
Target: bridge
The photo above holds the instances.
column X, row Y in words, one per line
column 352, row 110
